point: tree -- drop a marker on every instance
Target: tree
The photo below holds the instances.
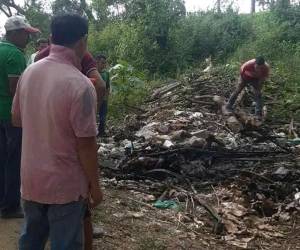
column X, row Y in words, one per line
column 283, row 4
column 36, row 15
column 219, row 6
column 8, row 7
column 253, row 3
column 76, row 6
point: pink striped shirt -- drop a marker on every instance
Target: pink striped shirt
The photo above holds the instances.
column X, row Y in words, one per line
column 54, row 103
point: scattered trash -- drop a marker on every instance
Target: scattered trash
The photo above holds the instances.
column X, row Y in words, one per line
column 166, row 204
column 168, row 144
column 281, row 172
column 297, row 198
column 233, row 175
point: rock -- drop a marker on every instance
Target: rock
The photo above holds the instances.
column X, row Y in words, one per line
column 163, row 129
column 180, row 135
column 281, row 172
column 98, row 232
column 234, row 124
column 196, row 115
column 116, row 153
column 197, row 142
column 147, row 131
column 203, row 133
column 178, row 112
column 219, row 99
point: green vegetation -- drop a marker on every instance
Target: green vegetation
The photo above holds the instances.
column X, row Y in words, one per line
column 160, row 39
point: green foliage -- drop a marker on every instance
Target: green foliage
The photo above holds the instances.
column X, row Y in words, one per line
column 271, row 37
column 37, row 17
column 158, row 38
column 203, row 34
column 128, row 89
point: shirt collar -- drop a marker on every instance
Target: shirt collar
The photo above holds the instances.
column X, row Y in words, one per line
column 65, row 55
column 11, row 44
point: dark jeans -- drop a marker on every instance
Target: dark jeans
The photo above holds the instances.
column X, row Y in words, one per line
column 257, row 87
column 62, row 224
column 10, row 158
column 102, row 117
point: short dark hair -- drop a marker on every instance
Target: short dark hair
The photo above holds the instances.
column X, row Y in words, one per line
column 260, row 60
column 100, row 56
column 42, row 40
column 67, row 29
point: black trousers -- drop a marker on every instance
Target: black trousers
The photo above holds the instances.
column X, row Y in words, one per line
column 10, row 160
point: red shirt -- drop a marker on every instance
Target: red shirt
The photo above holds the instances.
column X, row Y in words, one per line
column 87, row 63
column 248, row 71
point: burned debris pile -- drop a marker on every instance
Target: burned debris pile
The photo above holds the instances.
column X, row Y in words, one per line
column 233, row 175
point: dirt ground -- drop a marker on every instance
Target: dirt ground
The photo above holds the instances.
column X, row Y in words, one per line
column 9, row 233
column 132, row 225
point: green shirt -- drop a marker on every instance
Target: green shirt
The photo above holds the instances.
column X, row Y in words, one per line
column 105, row 77
column 12, row 64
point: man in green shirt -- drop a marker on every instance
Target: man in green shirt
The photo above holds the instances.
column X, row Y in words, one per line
column 101, row 66
column 12, row 64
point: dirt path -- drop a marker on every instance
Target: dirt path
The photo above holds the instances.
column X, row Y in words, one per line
column 129, row 225
column 9, row 234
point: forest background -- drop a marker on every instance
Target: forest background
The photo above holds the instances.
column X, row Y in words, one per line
column 154, row 40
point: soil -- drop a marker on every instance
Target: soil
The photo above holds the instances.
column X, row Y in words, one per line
column 130, row 225
column 9, row 233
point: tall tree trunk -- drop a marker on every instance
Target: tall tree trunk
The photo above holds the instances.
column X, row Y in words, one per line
column 219, row 6
column 282, row 4
column 253, row 2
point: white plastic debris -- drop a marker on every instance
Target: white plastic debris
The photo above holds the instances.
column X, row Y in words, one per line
column 178, row 112
column 297, row 198
column 282, row 171
column 196, row 115
column 197, row 142
column 147, row 131
column 168, row 144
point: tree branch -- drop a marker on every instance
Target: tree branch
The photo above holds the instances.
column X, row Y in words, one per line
column 7, row 13
column 10, row 4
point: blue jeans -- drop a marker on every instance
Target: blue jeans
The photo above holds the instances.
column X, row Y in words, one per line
column 102, row 117
column 63, row 224
column 10, row 159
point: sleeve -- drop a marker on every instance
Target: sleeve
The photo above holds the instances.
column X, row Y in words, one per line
column 15, row 64
column 42, row 54
column 88, row 63
column 83, row 112
column 16, row 109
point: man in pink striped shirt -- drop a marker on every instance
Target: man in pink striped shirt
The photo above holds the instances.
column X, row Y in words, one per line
column 55, row 104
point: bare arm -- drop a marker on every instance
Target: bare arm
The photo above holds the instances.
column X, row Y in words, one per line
column 99, row 85
column 13, row 82
column 87, row 151
column 16, row 110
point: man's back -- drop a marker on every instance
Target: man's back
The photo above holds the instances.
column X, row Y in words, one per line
column 249, row 72
column 55, row 107
column 12, row 63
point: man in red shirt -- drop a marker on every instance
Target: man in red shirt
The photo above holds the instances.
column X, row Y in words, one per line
column 254, row 73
